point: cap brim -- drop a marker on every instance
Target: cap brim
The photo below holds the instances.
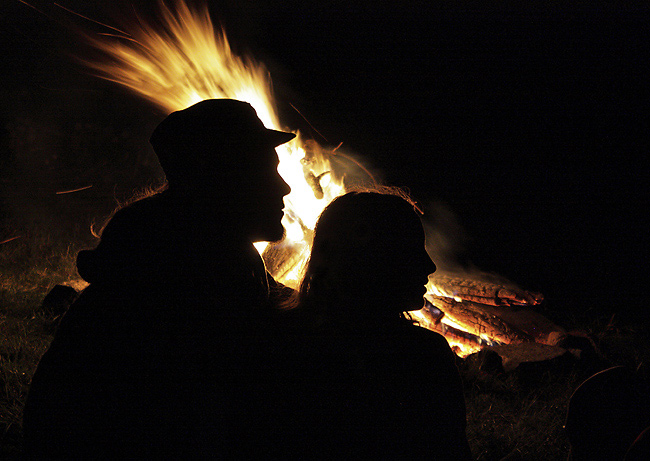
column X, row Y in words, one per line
column 278, row 137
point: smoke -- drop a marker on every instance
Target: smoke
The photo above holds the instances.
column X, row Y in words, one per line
column 446, row 238
column 352, row 169
column 447, row 244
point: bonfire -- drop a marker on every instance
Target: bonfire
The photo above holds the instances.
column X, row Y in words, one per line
column 185, row 59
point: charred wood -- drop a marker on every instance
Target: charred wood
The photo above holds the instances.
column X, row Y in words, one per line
column 479, row 288
column 479, row 319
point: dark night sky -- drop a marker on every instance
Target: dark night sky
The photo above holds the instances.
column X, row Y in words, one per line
column 530, row 124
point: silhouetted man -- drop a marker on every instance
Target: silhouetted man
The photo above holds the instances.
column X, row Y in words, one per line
column 162, row 355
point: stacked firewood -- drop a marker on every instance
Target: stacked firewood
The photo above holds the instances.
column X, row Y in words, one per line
column 489, row 308
column 483, row 289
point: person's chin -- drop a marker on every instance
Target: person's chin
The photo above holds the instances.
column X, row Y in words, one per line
column 415, row 305
column 276, row 237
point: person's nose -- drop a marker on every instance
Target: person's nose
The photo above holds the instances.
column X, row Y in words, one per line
column 284, row 187
column 281, row 185
column 428, row 265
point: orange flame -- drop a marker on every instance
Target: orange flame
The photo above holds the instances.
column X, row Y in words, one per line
column 187, row 61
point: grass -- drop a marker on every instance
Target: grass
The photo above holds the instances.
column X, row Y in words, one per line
column 508, row 418
column 515, row 416
column 29, row 267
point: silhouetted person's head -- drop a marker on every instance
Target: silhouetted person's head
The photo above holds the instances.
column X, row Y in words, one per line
column 368, row 256
column 219, row 151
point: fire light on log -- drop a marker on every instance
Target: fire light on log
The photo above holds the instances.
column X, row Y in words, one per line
column 482, row 290
column 492, row 310
column 185, row 60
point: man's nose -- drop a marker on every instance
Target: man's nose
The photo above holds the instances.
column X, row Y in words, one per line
column 283, row 187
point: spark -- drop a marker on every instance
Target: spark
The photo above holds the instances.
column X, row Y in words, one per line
column 89, row 19
column 32, row 7
column 73, row 190
column 10, row 239
column 309, row 123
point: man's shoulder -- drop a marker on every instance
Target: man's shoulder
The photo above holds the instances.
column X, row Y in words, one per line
column 142, row 212
column 159, row 202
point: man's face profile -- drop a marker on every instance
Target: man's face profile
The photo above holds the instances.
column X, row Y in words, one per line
column 220, row 148
column 265, row 193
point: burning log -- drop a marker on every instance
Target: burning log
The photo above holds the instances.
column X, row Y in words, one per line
column 492, row 311
column 478, row 319
column 480, row 290
column 461, row 342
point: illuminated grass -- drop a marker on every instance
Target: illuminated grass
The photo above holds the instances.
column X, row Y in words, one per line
column 29, row 267
column 22, row 346
column 508, row 419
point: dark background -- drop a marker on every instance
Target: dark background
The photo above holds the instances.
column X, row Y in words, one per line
column 524, row 128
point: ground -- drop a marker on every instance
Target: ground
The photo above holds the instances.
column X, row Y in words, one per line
column 519, row 414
